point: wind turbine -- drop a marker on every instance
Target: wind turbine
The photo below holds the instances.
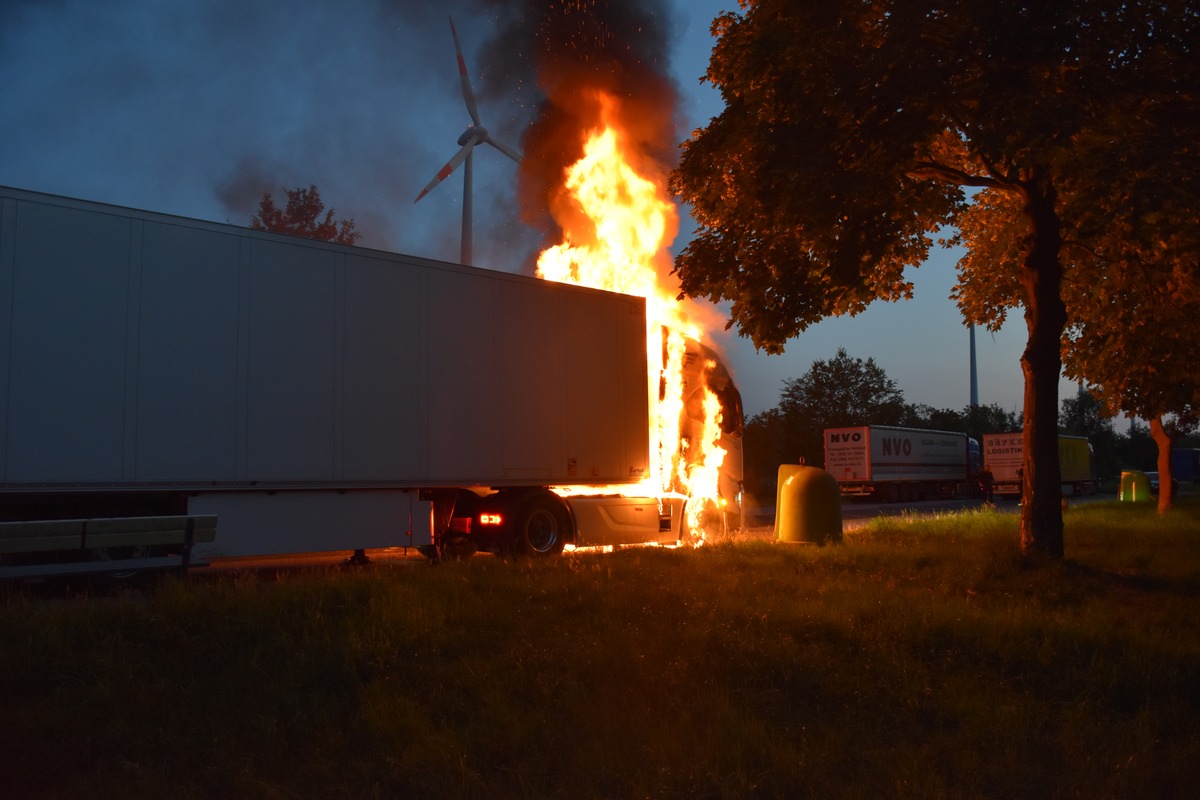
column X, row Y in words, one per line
column 473, row 135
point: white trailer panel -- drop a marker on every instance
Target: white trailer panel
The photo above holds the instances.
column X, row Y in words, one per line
column 903, row 454
column 847, row 454
column 262, row 523
column 143, row 350
column 875, row 454
column 187, row 357
column 1003, row 454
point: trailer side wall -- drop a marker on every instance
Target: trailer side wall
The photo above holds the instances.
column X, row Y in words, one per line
column 146, row 350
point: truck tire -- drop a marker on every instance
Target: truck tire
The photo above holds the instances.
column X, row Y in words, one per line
column 541, row 527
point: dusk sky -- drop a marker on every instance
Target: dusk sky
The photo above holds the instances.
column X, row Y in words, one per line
column 195, row 108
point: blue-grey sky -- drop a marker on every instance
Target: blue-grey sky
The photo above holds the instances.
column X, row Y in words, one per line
column 195, row 107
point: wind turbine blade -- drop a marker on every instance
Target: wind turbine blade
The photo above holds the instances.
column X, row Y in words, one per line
column 450, row 166
column 503, row 148
column 468, row 95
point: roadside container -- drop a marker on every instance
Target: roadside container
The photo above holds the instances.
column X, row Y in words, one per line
column 808, row 507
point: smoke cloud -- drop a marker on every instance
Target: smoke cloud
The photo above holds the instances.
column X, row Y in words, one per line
column 199, row 108
column 570, row 51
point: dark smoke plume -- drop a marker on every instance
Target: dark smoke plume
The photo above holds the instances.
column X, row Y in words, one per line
column 569, row 49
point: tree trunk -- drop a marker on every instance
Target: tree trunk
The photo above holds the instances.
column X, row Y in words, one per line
column 1166, row 494
column 1045, row 318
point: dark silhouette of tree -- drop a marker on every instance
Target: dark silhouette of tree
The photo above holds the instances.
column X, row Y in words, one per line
column 302, row 217
column 974, row 421
column 767, row 442
column 845, row 391
column 851, row 130
column 838, row 392
column 1084, row 415
column 1135, row 335
column 1130, row 284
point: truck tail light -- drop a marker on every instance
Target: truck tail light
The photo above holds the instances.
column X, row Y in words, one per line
column 491, row 519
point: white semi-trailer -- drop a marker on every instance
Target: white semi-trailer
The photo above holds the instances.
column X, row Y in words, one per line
column 901, row 464
column 314, row 397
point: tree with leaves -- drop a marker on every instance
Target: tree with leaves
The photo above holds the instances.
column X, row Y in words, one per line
column 1130, row 283
column 1141, row 350
column 837, row 392
column 1082, row 414
column 851, row 132
column 974, row 421
column 767, row 442
column 302, row 217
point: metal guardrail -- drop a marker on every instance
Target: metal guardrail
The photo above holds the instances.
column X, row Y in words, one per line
column 42, row 548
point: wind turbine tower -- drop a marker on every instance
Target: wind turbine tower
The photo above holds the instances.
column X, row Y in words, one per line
column 473, row 135
column 974, row 371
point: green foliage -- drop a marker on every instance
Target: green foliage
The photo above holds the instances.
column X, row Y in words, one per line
column 1135, row 449
column 768, row 440
column 1084, row 415
column 1128, row 226
column 1132, row 283
column 851, row 129
column 923, row 658
column 302, row 217
column 845, row 391
column 800, row 184
column 974, row 421
column 838, row 392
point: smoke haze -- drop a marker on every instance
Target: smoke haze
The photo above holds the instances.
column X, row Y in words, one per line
column 144, row 102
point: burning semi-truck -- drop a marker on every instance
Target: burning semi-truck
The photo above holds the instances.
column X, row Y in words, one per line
column 315, row 397
column 894, row 464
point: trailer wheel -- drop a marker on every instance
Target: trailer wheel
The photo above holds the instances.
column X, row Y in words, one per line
column 541, row 527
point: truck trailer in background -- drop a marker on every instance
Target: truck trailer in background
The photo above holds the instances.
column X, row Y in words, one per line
column 895, row 464
column 1185, row 464
column 316, row 397
column 1003, row 454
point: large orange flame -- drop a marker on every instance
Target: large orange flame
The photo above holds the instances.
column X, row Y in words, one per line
column 617, row 225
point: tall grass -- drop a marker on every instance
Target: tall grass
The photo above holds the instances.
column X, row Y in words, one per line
column 922, row 658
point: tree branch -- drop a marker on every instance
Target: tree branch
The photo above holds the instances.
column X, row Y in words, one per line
column 933, row 170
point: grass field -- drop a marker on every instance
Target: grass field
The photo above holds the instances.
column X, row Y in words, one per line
column 923, row 658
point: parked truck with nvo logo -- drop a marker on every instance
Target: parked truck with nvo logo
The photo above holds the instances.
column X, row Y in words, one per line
column 893, row 464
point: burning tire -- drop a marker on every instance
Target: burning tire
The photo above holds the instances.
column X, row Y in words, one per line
column 542, row 527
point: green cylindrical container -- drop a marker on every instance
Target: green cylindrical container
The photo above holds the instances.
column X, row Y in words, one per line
column 808, row 506
column 1135, row 487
